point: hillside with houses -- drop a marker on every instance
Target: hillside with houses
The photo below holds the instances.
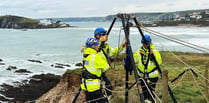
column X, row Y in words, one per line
column 199, row 18
column 192, row 17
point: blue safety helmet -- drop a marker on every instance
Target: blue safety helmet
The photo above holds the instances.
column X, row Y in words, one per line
column 147, row 38
column 100, row 31
column 91, row 41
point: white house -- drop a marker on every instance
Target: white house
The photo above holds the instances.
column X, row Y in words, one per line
column 45, row 21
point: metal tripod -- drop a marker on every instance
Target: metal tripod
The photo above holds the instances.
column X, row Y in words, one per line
column 130, row 66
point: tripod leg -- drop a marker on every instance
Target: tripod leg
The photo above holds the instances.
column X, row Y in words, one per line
column 126, row 92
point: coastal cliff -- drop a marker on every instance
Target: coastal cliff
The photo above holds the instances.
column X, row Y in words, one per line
column 17, row 22
column 65, row 90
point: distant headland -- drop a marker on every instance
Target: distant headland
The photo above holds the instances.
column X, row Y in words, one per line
column 178, row 18
column 17, row 22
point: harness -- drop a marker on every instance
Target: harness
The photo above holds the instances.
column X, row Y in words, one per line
column 143, row 58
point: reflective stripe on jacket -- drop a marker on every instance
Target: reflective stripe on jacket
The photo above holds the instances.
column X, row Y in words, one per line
column 151, row 70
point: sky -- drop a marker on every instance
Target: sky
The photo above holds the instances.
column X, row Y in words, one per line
column 93, row 8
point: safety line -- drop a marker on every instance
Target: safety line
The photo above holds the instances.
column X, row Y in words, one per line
column 148, row 89
column 177, row 40
column 182, row 60
column 199, row 88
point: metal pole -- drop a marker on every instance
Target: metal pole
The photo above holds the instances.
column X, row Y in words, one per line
column 127, row 68
column 128, row 46
column 165, row 87
column 126, row 86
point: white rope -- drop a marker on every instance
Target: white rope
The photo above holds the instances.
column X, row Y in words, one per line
column 204, row 83
column 148, row 89
column 179, row 58
column 202, row 76
column 157, row 96
column 95, row 99
column 178, row 82
column 196, row 83
column 146, row 29
column 183, row 61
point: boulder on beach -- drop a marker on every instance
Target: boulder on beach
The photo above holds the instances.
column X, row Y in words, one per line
column 60, row 65
column 78, row 64
column 2, row 63
column 11, row 67
column 38, row 85
column 36, row 61
column 22, row 71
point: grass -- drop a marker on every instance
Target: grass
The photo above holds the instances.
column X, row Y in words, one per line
column 75, row 71
column 19, row 19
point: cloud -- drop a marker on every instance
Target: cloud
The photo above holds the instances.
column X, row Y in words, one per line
column 88, row 8
column 160, row 6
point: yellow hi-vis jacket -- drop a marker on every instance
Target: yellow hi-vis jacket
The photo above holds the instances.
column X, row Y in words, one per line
column 151, row 70
column 94, row 65
column 112, row 52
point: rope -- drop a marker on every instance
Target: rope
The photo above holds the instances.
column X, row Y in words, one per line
column 192, row 73
column 176, row 40
column 181, row 60
column 94, row 100
column 149, row 90
column 137, row 89
column 203, row 76
column 203, row 83
column 157, row 96
column 199, row 88
column 178, row 82
column 119, row 40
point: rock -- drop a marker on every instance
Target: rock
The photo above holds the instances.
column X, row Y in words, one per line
column 22, row 71
column 1, row 60
column 38, row 54
column 37, row 61
column 2, row 98
column 2, row 63
column 78, row 64
column 67, row 65
column 38, row 85
column 11, row 67
column 59, row 65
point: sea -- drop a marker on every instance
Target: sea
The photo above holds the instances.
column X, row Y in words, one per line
column 63, row 45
